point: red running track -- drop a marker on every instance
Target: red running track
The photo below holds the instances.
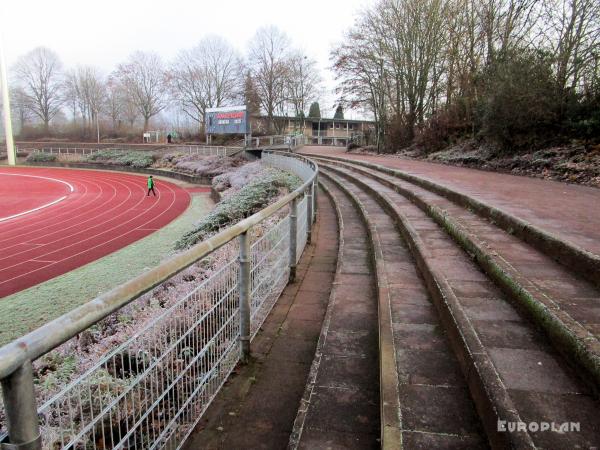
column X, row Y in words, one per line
column 84, row 215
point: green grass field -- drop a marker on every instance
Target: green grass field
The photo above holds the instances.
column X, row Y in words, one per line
column 31, row 308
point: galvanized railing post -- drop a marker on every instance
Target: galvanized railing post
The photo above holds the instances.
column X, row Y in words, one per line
column 315, row 185
column 309, row 212
column 244, row 289
column 21, row 410
column 293, row 238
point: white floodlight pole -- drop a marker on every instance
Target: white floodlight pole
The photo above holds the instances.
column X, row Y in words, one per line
column 98, row 126
column 10, row 145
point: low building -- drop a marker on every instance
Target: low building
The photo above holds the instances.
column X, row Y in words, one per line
column 318, row 131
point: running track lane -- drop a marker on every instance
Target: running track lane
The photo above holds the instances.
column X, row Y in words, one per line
column 105, row 212
column 41, row 192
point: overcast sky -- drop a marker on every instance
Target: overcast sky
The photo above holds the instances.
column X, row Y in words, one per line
column 104, row 32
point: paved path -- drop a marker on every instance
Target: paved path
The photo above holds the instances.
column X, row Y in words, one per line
column 257, row 408
column 568, row 211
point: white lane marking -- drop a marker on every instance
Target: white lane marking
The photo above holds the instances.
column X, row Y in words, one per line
column 2, row 219
column 71, row 189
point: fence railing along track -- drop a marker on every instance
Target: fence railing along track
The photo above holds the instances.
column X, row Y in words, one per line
column 205, row 150
column 152, row 389
column 292, row 142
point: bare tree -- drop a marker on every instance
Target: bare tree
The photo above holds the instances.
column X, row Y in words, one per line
column 303, row 81
column 39, row 74
column 359, row 69
column 85, row 87
column 393, row 59
column 20, row 105
column 130, row 109
column 505, row 24
column 114, row 105
column 145, row 83
column 413, row 51
column 207, row 76
column 268, row 60
column 572, row 31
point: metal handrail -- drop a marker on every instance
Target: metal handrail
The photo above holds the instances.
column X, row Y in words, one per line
column 292, row 141
column 17, row 356
column 206, row 150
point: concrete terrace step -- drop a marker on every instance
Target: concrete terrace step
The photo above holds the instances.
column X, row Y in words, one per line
column 566, row 306
column 425, row 401
column 513, row 374
column 340, row 407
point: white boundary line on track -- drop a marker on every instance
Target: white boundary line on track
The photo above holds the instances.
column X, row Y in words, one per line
column 71, row 189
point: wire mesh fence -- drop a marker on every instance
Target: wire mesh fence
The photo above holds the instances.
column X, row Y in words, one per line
column 302, row 226
column 151, row 389
column 269, row 271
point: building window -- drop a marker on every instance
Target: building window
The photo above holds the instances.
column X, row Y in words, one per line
column 337, row 125
column 351, row 126
column 331, row 126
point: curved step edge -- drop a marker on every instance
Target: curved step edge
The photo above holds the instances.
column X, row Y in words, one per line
column 487, row 390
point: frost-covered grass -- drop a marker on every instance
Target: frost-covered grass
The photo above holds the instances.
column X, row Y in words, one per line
column 199, row 165
column 232, row 181
column 123, row 158
column 254, row 196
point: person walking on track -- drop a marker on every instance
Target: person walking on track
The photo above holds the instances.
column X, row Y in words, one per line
column 150, row 186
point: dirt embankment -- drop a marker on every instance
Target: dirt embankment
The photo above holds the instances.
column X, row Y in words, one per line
column 573, row 163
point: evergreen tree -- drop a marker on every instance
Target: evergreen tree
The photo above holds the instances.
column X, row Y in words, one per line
column 314, row 111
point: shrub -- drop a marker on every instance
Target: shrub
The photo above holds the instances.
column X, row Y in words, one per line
column 170, row 159
column 519, row 102
column 583, row 116
column 208, row 166
column 124, row 158
column 41, row 157
column 399, row 134
column 249, row 200
column 237, row 178
column 444, row 128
